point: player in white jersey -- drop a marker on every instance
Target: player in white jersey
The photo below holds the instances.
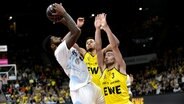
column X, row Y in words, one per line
column 129, row 83
column 82, row 90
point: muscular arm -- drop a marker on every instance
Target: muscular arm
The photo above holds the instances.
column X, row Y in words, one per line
column 108, row 47
column 115, row 48
column 114, row 45
column 82, row 51
column 67, row 20
column 99, row 51
column 98, row 40
column 74, row 33
column 80, row 23
column 63, row 21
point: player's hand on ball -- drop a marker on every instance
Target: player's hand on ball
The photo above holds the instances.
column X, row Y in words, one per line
column 59, row 9
column 55, row 12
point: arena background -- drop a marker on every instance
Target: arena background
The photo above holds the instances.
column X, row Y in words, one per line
column 144, row 27
column 124, row 17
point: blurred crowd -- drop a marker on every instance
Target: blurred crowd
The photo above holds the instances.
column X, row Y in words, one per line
column 40, row 85
column 162, row 76
column 44, row 84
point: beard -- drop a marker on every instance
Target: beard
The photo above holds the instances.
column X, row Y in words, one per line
column 90, row 49
column 58, row 43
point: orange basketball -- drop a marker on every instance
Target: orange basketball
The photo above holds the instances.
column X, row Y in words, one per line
column 50, row 16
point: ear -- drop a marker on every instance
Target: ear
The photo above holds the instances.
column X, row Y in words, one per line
column 53, row 46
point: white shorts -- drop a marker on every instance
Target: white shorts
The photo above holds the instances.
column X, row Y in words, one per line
column 89, row 94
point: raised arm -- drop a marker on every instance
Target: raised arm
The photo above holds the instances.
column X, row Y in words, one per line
column 98, row 43
column 74, row 33
column 113, row 44
column 80, row 23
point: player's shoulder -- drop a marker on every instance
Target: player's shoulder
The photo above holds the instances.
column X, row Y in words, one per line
column 61, row 47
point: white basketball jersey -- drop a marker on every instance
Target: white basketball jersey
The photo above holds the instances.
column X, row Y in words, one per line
column 129, row 84
column 73, row 65
column 128, row 80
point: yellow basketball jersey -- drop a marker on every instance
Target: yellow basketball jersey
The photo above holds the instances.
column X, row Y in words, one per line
column 91, row 62
column 113, row 84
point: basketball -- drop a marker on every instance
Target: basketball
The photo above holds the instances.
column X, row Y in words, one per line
column 50, row 16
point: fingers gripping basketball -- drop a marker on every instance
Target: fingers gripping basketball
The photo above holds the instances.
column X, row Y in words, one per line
column 52, row 17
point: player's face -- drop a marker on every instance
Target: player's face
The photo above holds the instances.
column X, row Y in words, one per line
column 109, row 58
column 55, row 40
column 90, row 44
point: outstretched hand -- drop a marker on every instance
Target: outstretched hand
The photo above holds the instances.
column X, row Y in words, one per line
column 103, row 20
column 97, row 22
column 80, row 22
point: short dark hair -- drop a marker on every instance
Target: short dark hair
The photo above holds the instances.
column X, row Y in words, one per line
column 49, row 52
column 89, row 38
column 46, row 44
column 107, row 50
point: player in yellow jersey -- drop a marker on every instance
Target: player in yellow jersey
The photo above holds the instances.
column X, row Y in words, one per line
column 114, row 77
column 91, row 62
column 90, row 56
